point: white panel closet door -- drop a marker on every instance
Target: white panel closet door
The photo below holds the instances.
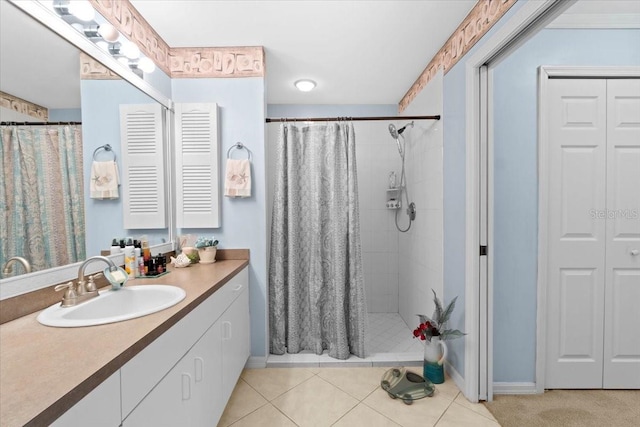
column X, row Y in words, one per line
column 622, row 294
column 576, row 260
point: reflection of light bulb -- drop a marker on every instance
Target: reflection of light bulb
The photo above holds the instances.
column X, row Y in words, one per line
column 130, row 50
column 123, row 61
column 146, row 65
column 82, row 10
column 108, row 32
column 78, row 27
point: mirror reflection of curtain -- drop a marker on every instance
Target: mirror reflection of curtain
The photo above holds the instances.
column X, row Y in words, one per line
column 42, row 195
column 316, row 286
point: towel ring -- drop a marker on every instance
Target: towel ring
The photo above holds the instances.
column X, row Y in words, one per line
column 239, row 146
column 105, row 147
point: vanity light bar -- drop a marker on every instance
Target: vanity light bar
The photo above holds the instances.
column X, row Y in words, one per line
column 104, row 35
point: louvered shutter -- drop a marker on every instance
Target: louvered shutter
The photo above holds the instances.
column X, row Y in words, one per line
column 197, row 166
column 143, row 183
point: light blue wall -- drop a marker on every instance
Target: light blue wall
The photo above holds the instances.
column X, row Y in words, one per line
column 100, row 106
column 318, row 110
column 241, row 112
column 515, row 173
column 65, row 115
column 453, row 169
column 454, row 188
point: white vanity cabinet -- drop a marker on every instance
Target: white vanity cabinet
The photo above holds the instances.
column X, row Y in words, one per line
column 186, row 376
column 100, row 408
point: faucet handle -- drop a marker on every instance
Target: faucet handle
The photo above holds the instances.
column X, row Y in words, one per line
column 91, row 286
column 69, row 294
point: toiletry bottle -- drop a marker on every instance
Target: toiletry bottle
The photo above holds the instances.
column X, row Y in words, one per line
column 130, row 259
column 115, row 247
column 138, row 253
column 392, row 179
column 146, row 252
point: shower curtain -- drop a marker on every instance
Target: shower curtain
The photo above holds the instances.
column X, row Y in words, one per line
column 41, row 195
column 316, row 289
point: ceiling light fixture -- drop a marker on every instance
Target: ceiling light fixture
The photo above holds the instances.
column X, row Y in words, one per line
column 305, row 85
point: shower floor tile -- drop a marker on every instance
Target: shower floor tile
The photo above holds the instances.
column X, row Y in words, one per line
column 387, row 333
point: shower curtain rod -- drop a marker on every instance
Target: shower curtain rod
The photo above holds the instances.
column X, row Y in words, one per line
column 355, row 119
column 38, row 123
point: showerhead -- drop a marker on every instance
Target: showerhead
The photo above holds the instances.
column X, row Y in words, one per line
column 395, row 133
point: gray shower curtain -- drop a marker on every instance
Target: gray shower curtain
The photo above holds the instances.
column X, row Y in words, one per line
column 316, row 289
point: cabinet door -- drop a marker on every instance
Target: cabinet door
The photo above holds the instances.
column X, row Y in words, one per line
column 169, row 403
column 206, row 357
column 100, row 408
column 234, row 325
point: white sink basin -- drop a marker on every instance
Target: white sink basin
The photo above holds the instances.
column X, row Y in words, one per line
column 114, row 306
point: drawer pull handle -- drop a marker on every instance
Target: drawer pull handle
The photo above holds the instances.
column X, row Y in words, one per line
column 237, row 288
column 199, row 368
column 186, row 386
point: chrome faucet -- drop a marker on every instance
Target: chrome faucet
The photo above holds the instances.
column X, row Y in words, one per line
column 83, row 291
column 7, row 265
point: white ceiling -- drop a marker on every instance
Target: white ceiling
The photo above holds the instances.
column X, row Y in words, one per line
column 359, row 52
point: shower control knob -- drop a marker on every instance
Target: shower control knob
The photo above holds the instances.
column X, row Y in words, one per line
column 634, row 252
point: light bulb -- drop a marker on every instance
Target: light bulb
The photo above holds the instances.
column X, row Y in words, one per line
column 82, row 10
column 130, row 50
column 305, row 85
column 108, row 32
column 146, row 65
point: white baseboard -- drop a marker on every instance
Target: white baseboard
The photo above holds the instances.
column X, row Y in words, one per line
column 256, row 362
column 514, row 388
column 456, row 377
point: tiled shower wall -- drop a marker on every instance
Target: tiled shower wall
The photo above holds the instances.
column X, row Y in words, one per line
column 421, row 248
column 377, row 155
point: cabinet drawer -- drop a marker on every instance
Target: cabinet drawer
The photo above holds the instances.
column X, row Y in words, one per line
column 146, row 369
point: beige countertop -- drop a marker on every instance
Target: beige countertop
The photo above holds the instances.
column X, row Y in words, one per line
column 44, row 371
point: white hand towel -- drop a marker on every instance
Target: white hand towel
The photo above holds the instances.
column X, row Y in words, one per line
column 237, row 181
column 104, row 180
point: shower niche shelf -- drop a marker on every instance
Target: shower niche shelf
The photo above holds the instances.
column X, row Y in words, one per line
column 393, row 198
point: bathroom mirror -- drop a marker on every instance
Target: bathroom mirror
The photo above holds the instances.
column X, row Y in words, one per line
column 40, row 66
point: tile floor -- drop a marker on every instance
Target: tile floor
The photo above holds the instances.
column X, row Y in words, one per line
column 341, row 397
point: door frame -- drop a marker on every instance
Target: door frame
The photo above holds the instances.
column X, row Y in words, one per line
column 544, row 74
column 478, row 362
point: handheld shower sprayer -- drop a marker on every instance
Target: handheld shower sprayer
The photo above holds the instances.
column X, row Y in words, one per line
column 411, row 207
column 397, row 133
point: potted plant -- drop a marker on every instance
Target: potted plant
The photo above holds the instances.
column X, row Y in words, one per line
column 433, row 332
column 207, row 248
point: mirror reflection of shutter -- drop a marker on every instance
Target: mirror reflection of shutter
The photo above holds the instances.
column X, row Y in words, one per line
column 197, row 166
column 143, row 178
